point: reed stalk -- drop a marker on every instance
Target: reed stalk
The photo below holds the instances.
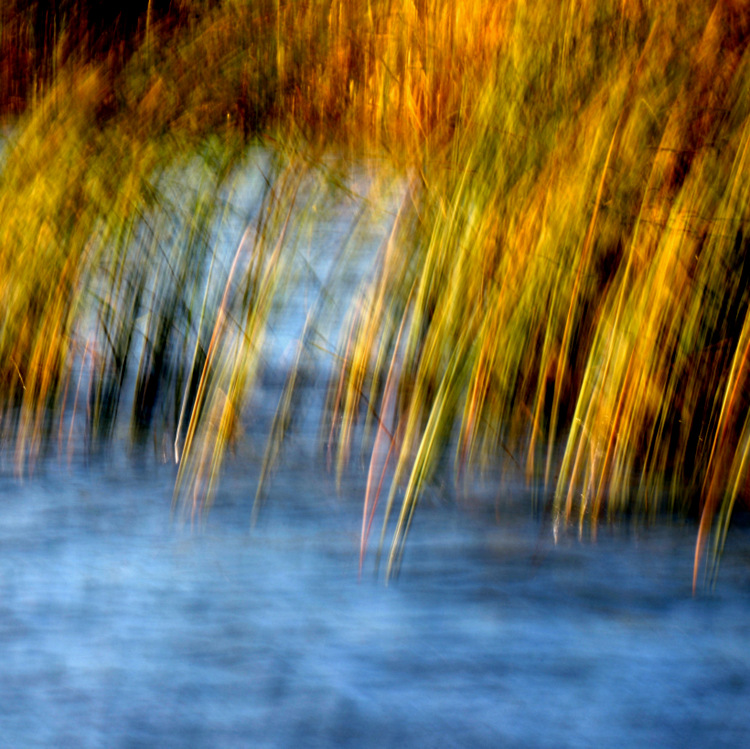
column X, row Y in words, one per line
column 563, row 292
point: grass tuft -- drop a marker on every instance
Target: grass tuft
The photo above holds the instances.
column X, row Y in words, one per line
column 563, row 290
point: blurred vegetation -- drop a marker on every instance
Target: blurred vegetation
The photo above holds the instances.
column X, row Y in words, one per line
column 564, row 291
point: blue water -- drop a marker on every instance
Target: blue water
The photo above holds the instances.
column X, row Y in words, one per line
column 121, row 626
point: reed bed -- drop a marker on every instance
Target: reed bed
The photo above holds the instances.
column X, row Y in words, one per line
column 563, row 291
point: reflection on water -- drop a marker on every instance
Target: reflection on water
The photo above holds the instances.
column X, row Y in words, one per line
column 121, row 628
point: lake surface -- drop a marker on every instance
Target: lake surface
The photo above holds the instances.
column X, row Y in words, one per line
column 120, row 626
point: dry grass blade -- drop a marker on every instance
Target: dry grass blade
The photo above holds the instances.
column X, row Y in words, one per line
column 566, row 276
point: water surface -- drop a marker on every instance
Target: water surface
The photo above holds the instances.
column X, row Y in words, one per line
column 122, row 627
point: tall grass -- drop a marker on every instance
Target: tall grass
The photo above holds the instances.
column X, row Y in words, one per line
column 564, row 291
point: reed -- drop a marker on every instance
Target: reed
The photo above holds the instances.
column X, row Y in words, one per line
column 564, row 291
